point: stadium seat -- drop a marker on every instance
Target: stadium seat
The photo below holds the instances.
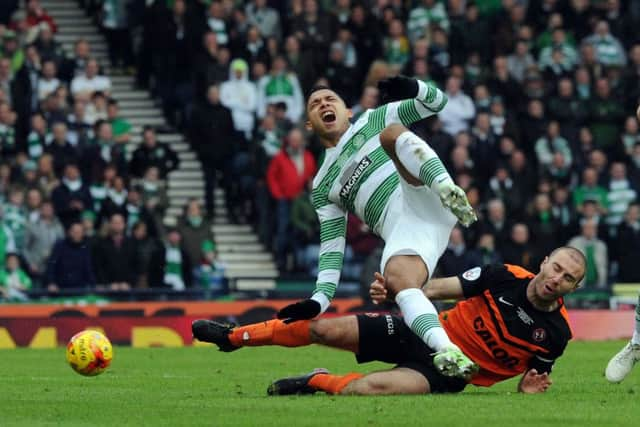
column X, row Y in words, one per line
column 624, row 293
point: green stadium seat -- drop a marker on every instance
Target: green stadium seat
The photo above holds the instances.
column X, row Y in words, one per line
column 624, row 293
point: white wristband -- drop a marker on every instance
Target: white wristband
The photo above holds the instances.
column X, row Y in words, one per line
column 322, row 299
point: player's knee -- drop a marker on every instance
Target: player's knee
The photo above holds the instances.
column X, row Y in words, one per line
column 404, row 272
column 389, row 135
column 393, row 283
column 324, row 331
column 396, row 281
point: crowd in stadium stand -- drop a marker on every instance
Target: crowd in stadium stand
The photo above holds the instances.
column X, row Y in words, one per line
column 540, row 130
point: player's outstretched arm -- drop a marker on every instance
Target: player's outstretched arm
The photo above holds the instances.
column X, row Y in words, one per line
column 435, row 289
column 532, row 382
column 443, row 288
column 333, row 231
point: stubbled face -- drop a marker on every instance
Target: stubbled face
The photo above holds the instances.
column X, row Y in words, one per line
column 559, row 275
column 327, row 114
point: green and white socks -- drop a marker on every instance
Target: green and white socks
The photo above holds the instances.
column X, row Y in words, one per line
column 421, row 161
column 422, row 317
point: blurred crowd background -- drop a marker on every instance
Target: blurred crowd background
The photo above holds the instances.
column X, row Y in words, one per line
column 540, row 130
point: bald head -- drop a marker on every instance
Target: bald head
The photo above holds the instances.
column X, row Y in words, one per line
column 575, row 254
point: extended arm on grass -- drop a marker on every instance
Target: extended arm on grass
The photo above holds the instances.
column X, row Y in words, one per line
column 532, row 382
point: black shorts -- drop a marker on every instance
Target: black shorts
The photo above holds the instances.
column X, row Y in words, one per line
column 386, row 338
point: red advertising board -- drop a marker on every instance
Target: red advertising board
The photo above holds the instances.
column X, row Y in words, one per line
column 135, row 331
column 164, row 308
column 169, row 324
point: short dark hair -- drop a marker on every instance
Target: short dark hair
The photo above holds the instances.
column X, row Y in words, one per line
column 74, row 221
column 324, row 87
column 114, row 214
column 72, row 164
column 317, row 88
column 98, row 124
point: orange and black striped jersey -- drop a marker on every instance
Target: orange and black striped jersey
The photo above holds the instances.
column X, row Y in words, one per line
column 498, row 328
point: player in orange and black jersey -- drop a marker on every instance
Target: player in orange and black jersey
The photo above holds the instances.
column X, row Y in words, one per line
column 509, row 322
column 500, row 329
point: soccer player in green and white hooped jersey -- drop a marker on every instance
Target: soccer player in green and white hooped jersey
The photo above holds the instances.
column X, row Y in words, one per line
column 623, row 362
column 391, row 179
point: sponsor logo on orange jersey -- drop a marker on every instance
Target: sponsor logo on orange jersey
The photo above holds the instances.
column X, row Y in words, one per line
column 499, row 353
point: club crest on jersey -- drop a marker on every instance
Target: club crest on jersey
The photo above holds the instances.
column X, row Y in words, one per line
column 359, row 140
column 472, row 274
column 355, row 176
column 539, row 335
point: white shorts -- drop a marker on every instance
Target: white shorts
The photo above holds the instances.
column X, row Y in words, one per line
column 416, row 223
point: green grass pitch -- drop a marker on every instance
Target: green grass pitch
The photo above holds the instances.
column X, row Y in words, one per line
column 193, row 386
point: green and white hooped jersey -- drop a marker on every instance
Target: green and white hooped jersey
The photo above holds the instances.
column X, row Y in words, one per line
column 358, row 176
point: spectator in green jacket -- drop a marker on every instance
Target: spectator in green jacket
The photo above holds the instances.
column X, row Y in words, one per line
column 7, row 244
column 11, row 49
column 606, row 115
column 120, row 126
column 13, row 280
column 590, row 190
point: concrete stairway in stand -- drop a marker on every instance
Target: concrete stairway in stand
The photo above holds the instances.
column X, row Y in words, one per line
column 249, row 265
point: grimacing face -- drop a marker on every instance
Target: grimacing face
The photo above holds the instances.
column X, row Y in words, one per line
column 560, row 274
column 327, row 114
